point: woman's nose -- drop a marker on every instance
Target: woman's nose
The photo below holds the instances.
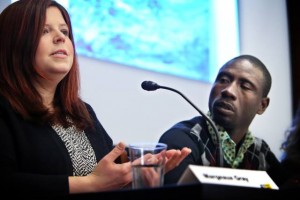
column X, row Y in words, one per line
column 59, row 37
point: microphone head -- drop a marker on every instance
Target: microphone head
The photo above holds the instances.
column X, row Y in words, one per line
column 149, row 85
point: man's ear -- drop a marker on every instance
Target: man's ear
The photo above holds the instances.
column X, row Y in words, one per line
column 263, row 105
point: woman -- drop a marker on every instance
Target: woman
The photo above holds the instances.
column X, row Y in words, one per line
column 51, row 141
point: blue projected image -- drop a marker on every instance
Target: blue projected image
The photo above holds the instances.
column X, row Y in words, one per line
column 174, row 37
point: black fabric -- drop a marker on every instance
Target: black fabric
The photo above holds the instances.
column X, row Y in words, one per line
column 204, row 152
column 293, row 173
column 33, row 158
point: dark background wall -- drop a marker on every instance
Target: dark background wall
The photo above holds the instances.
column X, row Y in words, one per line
column 293, row 13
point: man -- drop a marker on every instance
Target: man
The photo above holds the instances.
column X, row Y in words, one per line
column 239, row 92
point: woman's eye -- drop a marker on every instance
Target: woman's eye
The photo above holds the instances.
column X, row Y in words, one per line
column 45, row 31
column 65, row 32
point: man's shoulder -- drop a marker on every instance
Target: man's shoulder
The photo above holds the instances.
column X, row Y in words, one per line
column 185, row 133
column 261, row 145
column 187, row 124
column 184, row 127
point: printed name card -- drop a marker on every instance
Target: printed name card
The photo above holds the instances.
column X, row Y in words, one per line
column 227, row 176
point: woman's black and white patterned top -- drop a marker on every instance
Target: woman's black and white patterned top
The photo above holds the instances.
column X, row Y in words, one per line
column 80, row 149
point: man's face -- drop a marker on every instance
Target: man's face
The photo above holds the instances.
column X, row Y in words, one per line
column 236, row 95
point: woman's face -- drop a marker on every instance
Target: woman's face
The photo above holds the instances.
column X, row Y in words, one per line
column 55, row 52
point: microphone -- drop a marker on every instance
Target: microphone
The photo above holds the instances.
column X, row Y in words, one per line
column 151, row 86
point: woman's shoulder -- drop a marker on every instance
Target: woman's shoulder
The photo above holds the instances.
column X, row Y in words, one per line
column 88, row 107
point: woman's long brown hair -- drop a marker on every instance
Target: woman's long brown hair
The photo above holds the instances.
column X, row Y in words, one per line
column 21, row 25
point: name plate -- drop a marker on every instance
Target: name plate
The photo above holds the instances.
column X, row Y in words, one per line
column 227, row 176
